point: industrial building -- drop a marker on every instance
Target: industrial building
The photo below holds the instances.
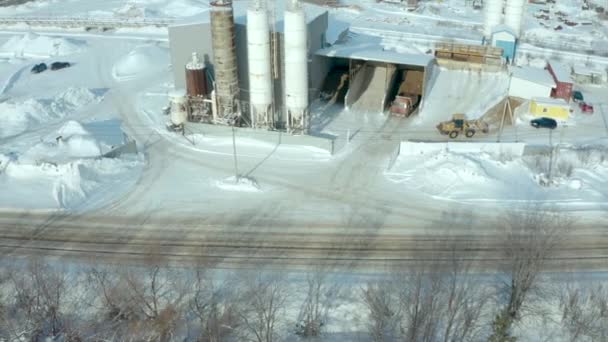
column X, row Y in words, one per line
column 528, row 82
column 557, row 109
column 503, row 25
column 585, row 75
column 374, row 76
column 562, row 75
column 504, row 37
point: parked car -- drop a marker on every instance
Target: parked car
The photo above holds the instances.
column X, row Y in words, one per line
column 577, row 96
column 544, row 123
column 38, row 68
column 60, row 65
column 586, row 108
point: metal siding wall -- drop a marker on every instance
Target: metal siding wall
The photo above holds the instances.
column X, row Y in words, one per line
column 183, row 40
column 319, row 66
column 508, row 48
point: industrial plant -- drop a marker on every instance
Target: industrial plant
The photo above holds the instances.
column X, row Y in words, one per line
column 245, row 83
column 265, row 69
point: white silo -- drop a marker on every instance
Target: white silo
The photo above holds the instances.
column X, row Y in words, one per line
column 260, row 77
column 296, row 67
column 492, row 16
column 514, row 13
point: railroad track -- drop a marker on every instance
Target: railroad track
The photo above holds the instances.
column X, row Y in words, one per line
column 341, row 248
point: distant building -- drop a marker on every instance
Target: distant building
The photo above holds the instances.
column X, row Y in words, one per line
column 557, row 109
column 409, row 4
column 562, row 74
column 584, row 75
column 529, row 82
column 504, row 37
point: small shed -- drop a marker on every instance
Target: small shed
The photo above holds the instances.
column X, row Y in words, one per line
column 585, row 75
column 504, row 37
column 528, row 82
column 557, row 109
column 562, row 74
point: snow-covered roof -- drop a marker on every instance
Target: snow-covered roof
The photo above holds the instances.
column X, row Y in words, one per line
column 504, row 28
column 535, row 75
column 372, row 50
column 583, row 70
column 551, row 101
column 562, row 72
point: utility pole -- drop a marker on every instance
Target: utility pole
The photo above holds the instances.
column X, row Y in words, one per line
column 551, row 156
column 236, row 165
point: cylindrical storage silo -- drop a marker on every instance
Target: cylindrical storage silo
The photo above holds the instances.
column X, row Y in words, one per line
column 224, row 59
column 514, row 14
column 196, row 78
column 260, row 77
column 178, row 104
column 296, row 68
column 492, row 16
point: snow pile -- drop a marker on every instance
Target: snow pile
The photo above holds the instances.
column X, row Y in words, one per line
column 151, row 9
column 69, row 142
column 62, row 171
column 456, row 91
column 184, row 8
column 18, row 116
column 243, row 184
column 141, row 61
column 36, row 46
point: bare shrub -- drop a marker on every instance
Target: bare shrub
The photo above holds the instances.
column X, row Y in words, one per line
column 432, row 301
column 39, row 301
column 584, row 155
column 565, row 168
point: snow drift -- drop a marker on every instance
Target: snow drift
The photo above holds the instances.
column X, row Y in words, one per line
column 32, row 45
column 578, row 175
column 18, row 116
column 141, row 61
column 63, row 171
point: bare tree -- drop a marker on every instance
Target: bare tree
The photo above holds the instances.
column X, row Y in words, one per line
column 529, row 239
column 380, row 299
column 316, row 304
column 215, row 306
column 264, row 297
column 585, row 313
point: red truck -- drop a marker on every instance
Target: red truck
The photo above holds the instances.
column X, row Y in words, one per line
column 404, row 104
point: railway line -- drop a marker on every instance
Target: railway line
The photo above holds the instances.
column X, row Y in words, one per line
column 349, row 249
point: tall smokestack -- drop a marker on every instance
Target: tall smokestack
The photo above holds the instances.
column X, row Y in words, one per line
column 224, row 60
